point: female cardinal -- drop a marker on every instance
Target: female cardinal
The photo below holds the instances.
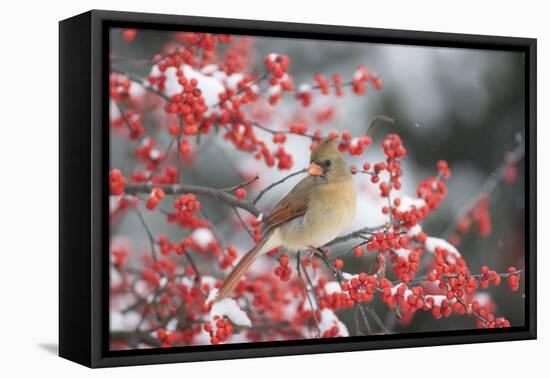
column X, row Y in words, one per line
column 313, row 213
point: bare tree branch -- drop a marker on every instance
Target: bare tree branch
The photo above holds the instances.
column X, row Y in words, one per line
column 176, row 189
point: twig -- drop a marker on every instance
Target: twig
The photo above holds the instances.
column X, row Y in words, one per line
column 149, row 234
column 299, row 267
column 178, row 152
column 310, row 282
column 378, row 118
column 241, row 185
column 377, row 320
column 323, row 257
column 346, row 251
column 243, row 222
column 198, row 278
column 213, row 228
column 365, row 319
column 267, row 188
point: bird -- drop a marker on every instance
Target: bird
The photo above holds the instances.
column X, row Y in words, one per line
column 314, row 212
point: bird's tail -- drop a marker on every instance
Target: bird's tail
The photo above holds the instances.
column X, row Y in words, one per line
column 264, row 245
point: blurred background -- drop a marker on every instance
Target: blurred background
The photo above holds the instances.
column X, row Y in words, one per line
column 462, row 105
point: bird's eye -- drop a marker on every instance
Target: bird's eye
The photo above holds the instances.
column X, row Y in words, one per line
column 327, row 163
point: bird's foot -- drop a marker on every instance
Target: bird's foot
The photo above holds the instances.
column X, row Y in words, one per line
column 319, row 252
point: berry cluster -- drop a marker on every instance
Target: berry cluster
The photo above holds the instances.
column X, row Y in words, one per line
column 166, row 246
column 132, row 120
column 322, row 83
column 277, row 65
column 331, row 332
column 304, row 95
column 116, row 182
column 405, row 263
column 229, row 257
column 148, row 153
column 119, row 87
column 478, row 214
column 120, row 256
column 283, row 271
column 355, row 147
column 433, row 191
column 280, row 80
column 360, row 288
column 513, row 279
column 383, row 241
column 157, row 195
column 218, row 329
column 189, row 104
column 186, row 206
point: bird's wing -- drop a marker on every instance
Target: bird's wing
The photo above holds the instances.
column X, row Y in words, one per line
column 293, row 205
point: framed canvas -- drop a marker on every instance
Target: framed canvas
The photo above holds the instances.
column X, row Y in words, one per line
column 234, row 188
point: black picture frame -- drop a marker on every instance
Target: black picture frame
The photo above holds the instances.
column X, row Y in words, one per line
column 83, row 196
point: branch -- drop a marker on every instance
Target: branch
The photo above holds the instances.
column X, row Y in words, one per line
column 378, row 118
column 243, row 223
column 288, row 132
column 139, row 80
column 449, row 276
column 219, row 194
column 358, row 234
column 319, row 253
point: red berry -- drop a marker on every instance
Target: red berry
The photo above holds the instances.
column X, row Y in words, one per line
column 129, row 34
column 240, row 193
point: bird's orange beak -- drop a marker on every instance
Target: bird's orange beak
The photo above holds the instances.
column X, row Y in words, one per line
column 315, row 169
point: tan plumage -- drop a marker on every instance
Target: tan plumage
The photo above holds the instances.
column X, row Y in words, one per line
column 313, row 213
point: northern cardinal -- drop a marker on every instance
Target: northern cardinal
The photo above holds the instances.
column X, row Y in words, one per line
column 313, row 213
